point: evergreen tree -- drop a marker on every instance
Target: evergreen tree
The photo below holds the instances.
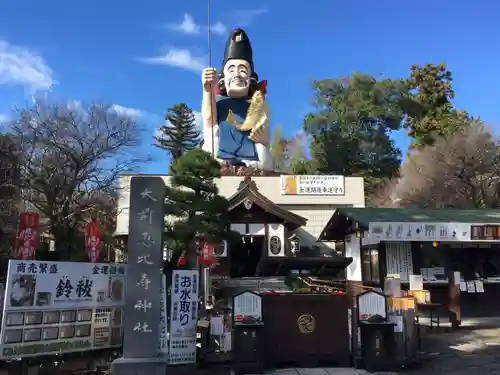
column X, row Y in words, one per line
column 193, row 202
column 180, row 134
column 351, row 126
column 428, row 106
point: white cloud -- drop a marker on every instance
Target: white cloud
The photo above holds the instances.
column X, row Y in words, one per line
column 3, row 118
column 219, row 29
column 76, row 105
column 127, row 111
column 180, row 58
column 187, row 26
column 244, row 17
column 20, row 67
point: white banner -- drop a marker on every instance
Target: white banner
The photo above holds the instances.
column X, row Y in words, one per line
column 312, row 185
column 163, row 341
column 183, row 317
column 60, row 307
column 420, row 231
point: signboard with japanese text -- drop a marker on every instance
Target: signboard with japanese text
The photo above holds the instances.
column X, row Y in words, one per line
column 371, row 303
column 145, row 265
column 61, row 307
column 183, row 317
column 247, row 305
column 430, row 231
column 312, row 185
column 163, row 342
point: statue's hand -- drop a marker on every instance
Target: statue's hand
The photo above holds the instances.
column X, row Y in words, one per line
column 208, row 78
column 257, row 135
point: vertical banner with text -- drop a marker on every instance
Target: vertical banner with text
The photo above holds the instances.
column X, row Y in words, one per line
column 27, row 236
column 145, row 266
column 183, row 317
column 93, row 241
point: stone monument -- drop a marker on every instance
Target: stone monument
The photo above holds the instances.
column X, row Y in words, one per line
column 235, row 114
column 143, row 280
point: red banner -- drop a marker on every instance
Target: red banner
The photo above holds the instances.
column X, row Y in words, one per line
column 93, row 241
column 207, row 252
column 27, row 235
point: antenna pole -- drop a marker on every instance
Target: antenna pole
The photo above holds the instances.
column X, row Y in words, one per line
column 209, row 6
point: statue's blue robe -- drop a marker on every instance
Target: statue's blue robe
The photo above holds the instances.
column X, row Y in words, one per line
column 234, row 144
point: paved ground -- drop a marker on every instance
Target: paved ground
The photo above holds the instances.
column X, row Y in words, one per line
column 468, row 351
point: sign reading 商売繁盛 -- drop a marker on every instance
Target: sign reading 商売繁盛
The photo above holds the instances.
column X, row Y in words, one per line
column 60, row 307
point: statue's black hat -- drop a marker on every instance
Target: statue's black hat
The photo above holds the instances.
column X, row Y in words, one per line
column 238, row 47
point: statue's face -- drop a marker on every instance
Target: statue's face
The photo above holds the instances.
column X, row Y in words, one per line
column 237, row 75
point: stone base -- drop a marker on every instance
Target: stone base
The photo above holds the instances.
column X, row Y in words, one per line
column 139, row 366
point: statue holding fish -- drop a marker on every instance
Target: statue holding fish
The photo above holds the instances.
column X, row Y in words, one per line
column 235, row 114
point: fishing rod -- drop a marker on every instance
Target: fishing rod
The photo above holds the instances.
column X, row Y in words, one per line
column 209, row 6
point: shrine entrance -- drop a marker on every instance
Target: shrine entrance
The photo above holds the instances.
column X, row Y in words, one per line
column 246, row 256
column 264, row 230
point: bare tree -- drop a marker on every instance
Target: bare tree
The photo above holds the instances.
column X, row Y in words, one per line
column 384, row 196
column 9, row 196
column 462, row 171
column 71, row 158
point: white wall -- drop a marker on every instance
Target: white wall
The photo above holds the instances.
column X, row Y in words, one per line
column 316, row 208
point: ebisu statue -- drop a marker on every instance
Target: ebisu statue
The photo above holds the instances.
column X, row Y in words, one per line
column 235, row 114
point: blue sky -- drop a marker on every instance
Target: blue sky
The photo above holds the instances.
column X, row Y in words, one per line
column 146, row 56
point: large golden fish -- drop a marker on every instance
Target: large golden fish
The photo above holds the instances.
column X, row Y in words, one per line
column 254, row 115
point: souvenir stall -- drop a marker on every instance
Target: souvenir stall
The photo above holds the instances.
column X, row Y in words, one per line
column 451, row 255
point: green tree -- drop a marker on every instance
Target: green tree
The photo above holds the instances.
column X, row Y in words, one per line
column 193, row 203
column 429, row 108
column 350, row 129
column 180, row 134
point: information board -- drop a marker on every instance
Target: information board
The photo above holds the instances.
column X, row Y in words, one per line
column 61, row 307
column 371, row 303
column 247, row 305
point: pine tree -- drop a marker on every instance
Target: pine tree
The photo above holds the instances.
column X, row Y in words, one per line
column 429, row 107
column 180, row 134
column 193, row 202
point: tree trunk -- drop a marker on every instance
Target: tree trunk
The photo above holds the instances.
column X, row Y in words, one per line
column 192, row 255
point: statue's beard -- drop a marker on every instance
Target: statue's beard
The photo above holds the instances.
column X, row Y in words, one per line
column 237, row 87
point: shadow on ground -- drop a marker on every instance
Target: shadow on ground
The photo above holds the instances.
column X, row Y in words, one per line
column 472, row 349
